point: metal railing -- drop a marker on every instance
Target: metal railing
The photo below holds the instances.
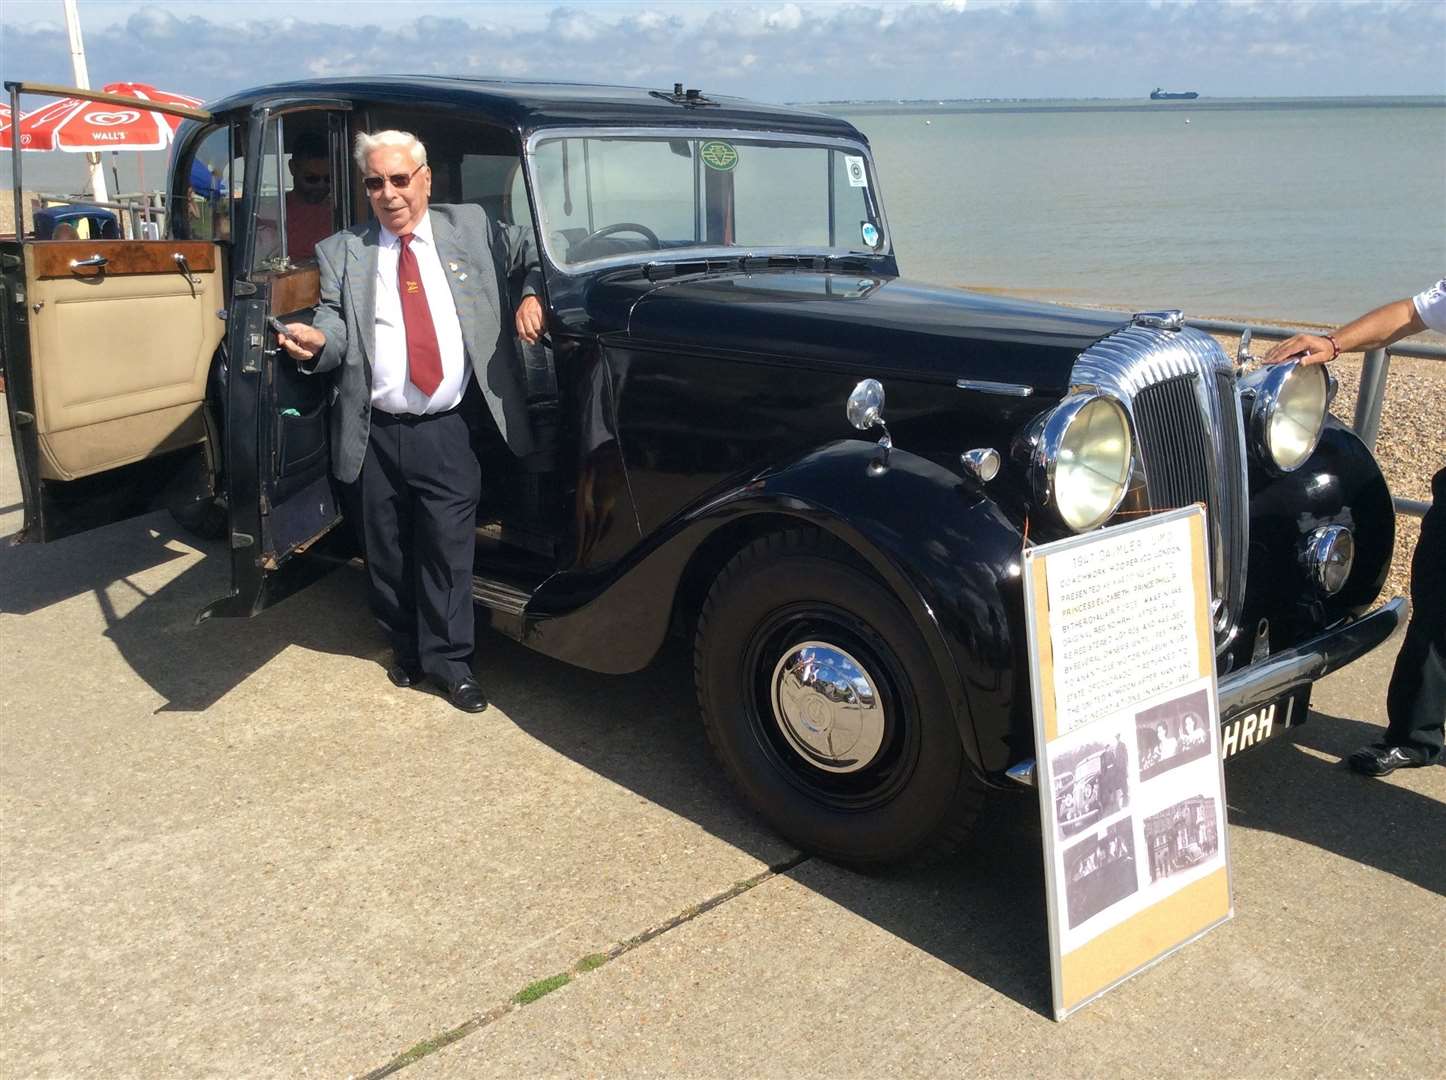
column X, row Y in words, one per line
column 135, row 210
column 1369, row 398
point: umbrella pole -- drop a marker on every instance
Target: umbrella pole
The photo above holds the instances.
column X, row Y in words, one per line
column 141, row 185
column 82, row 80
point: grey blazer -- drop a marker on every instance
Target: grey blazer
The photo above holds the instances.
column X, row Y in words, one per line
column 477, row 256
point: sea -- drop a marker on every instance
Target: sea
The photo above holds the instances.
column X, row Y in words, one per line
column 1281, row 210
column 1305, row 210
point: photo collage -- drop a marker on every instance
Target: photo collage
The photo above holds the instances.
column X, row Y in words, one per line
column 1138, row 812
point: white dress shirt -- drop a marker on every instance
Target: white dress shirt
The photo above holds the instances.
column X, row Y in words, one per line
column 392, row 391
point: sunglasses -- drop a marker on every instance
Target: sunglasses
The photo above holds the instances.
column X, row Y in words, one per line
column 374, row 184
column 316, row 178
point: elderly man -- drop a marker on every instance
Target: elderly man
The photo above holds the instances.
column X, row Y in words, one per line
column 410, row 304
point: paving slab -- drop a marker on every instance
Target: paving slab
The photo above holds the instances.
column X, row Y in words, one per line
column 1332, row 966
column 236, row 849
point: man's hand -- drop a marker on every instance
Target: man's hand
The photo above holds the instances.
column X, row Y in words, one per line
column 529, row 320
column 304, row 343
column 1307, row 347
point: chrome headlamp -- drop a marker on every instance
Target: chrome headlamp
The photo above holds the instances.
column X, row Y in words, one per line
column 1081, row 460
column 1288, row 413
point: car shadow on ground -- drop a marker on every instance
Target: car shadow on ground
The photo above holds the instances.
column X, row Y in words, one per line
column 980, row 910
column 154, row 628
column 1300, row 787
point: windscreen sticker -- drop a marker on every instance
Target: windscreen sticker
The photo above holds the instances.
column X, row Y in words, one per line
column 869, row 233
column 858, row 175
column 718, row 155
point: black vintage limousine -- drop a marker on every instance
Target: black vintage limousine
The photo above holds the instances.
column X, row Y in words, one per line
column 750, row 430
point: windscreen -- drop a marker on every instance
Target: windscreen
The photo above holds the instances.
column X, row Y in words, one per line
column 607, row 196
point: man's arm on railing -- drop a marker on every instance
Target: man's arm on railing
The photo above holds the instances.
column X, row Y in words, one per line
column 1376, row 329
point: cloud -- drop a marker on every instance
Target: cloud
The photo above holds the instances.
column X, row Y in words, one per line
column 798, row 50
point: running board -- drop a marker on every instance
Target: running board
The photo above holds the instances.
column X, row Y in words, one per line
column 506, row 604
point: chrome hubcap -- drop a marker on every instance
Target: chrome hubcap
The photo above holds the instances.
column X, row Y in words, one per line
column 827, row 707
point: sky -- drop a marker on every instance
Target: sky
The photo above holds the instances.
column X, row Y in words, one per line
column 778, row 52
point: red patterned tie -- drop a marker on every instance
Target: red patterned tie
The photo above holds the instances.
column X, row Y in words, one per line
column 424, row 358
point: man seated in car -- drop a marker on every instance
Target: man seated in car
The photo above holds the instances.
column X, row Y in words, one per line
column 309, row 214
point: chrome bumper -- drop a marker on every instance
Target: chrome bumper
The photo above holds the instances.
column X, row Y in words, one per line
column 1310, row 661
column 1274, row 676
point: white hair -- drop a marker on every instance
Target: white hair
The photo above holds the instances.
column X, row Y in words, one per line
column 365, row 144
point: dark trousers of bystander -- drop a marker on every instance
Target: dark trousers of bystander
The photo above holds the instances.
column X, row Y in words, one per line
column 1416, row 700
column 419, row 489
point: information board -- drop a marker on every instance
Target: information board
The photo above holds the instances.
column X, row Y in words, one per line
column 1131, row 782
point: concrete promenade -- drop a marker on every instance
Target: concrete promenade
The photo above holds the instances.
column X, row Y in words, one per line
column 235, row 850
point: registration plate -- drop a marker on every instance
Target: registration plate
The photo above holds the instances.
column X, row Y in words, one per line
column 1263, row 722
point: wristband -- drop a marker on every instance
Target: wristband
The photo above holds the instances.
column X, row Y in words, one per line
column 1335, row 347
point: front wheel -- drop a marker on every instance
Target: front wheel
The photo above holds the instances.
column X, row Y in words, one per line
column 824, row 706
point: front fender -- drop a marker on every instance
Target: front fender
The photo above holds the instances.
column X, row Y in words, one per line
column 949, row 554
column 1341, row 484
column 944, row 549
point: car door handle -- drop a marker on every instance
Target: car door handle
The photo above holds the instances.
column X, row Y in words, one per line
column 185, row 268
column 94, row 260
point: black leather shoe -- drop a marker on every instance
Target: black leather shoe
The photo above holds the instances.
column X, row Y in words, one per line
column 467, row 695
column 1379, row 759
column 403, row 676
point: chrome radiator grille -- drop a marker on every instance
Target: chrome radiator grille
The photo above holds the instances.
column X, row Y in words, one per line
column 1179, row 388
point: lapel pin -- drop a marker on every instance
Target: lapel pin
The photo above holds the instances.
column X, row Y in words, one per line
column 452, row 266
column 461, row 277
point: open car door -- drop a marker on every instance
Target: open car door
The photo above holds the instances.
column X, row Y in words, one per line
column 107, row 346
column 278, row 481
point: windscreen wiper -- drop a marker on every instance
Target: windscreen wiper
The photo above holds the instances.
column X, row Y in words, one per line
column 660, row 271
column 852, row 260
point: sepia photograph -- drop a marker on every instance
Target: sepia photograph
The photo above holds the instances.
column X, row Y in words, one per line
column 1099, row 871
column 1091, row 782
column 1182, row 836
column 1173, row 733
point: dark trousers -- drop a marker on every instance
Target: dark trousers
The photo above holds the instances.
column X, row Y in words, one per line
column 419, row 489
column 1416, row 700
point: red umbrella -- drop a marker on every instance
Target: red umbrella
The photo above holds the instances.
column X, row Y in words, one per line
column 35, row 131
column 86, row 127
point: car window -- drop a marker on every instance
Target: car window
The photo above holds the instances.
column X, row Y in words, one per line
column 269, row 189
column 297, row 196
column 471, row 162
column 486, row 179
column 604, row 197
column 589, row 183
column 202, row 203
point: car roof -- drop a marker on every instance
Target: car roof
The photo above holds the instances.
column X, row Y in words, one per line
column 526, row 105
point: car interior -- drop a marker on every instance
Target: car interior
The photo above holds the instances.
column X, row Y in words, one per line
column 521, row 517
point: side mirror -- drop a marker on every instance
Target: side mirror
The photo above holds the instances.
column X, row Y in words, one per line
column 866, row 404
column 865, row 411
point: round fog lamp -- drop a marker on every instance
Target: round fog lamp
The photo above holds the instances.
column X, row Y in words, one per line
column 1329, row 553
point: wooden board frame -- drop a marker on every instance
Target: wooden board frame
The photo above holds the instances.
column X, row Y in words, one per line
column 1158, row 917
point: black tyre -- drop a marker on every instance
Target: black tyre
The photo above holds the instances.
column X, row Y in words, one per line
column 823, row 704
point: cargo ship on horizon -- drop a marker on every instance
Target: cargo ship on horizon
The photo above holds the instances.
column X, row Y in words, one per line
column 1165, row 95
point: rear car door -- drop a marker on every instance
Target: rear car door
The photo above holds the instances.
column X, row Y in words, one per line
column 107, row 348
